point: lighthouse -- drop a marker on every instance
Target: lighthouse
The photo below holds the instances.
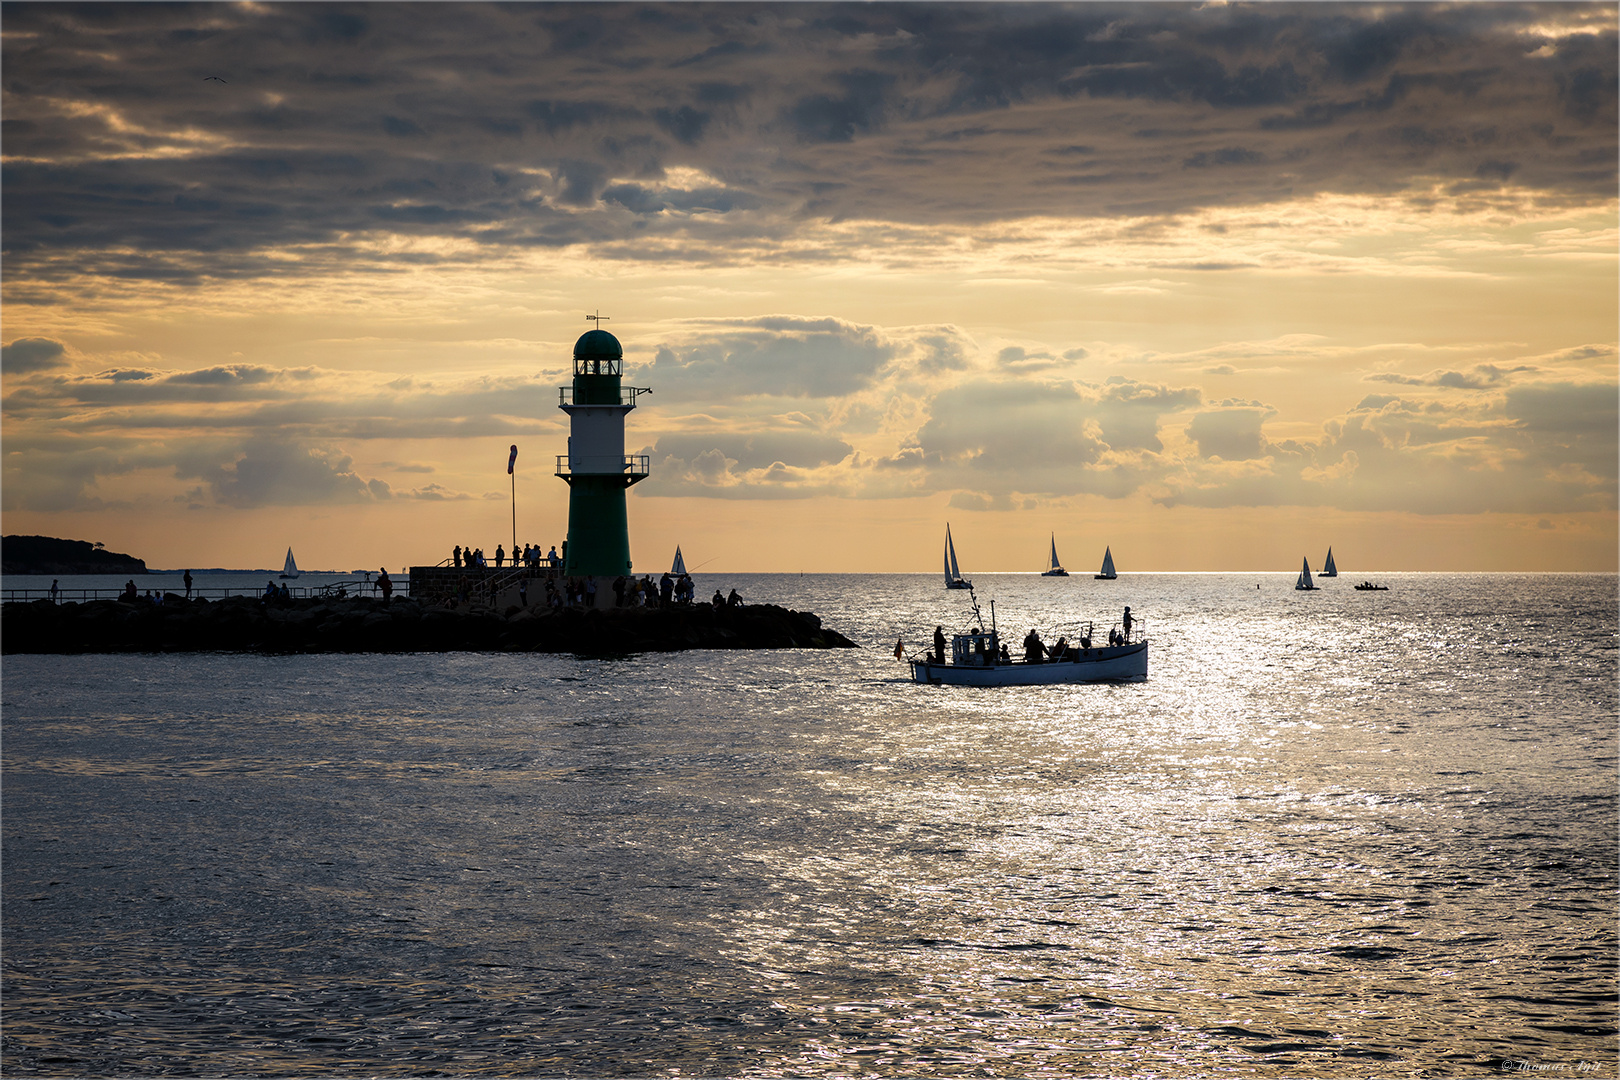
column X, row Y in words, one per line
column 596, row 468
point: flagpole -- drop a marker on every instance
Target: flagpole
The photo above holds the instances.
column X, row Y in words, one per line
column 511, row 470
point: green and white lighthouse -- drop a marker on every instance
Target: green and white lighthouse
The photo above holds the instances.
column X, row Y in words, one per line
column 597, row 469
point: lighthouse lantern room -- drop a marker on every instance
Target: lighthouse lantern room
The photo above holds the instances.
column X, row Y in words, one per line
column 596, row 468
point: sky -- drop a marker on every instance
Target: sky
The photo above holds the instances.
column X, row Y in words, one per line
column 1215, row 286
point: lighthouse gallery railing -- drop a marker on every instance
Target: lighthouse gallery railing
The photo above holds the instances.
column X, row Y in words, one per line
column 630, row 465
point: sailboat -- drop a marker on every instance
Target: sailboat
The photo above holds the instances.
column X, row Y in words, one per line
column 1056, row 569
column 678, row 570
column 1328, row 569
column 1304, row 581
column 291, row 569
column 953, row 576
column 1107, row 571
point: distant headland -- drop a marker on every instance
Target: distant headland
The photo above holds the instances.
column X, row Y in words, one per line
column 50, row 555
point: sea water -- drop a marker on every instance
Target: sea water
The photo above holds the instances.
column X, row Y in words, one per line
column 1335, row 833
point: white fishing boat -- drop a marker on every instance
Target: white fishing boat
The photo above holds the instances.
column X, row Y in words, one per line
column 1305, row 582
column 678, row 569
column 1328, row 569
column 1055, row 569
column 953, row 576
column 290, row 570
column 976, row 659
column 1107, row 571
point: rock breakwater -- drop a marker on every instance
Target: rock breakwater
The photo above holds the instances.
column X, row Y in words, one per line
column 316, row 625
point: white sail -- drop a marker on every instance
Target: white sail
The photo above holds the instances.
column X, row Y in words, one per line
column 1053, row 567
column 1107, row 570
column 1304, row 581
column 953, row 575
column 1328, row 569
column 291, row 567
column 679, row 568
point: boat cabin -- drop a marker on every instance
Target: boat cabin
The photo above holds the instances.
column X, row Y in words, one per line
column 976, row 648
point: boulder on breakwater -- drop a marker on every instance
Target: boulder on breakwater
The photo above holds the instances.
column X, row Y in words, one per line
column 317, row 625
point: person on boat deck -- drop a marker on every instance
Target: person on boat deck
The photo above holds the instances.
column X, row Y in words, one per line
column 939, row 644
column 1060, row 649
column 1034, row 651
column 1113, row 637
column 1126, row 622
column 1085, row 638
column 1003, row 657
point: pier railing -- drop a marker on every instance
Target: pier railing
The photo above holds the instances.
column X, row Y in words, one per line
column 335, row 589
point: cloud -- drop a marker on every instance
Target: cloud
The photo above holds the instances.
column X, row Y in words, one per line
column 783, row 356
column 1231, row 433
column 748, row 465
column 24, row 355
column 568, row 125
column 1043, row 438
column 1537, row 448
column 1480, row 377
column 270, row 473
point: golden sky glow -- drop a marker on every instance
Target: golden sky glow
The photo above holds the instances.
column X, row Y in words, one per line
column 1218, row 289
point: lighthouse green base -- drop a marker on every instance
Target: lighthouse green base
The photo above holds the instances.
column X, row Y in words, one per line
column 598, row 529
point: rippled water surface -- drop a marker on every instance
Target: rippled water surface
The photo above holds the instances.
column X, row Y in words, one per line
column 1337, row 834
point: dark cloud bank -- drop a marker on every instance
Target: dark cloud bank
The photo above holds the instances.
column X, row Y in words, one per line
column 723, row 128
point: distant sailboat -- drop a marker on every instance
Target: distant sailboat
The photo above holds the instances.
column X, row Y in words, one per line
column 1304, row 581
column 1107, row 572
column 1328, row 569
column 291, row 569
column 679, row 569
column 953, row 576
column 1056, row 568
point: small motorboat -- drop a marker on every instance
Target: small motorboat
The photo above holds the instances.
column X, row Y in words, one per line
column 1367, row 586
column 977, row 659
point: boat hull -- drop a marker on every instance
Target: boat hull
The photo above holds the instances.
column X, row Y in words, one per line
column 1122, row 663
column 1055, row 573
column 959, row 584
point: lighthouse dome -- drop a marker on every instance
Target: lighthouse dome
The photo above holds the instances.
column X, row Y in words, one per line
column 597, row 344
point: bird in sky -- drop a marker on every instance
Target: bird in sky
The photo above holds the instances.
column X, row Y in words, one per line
column 214, row 78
